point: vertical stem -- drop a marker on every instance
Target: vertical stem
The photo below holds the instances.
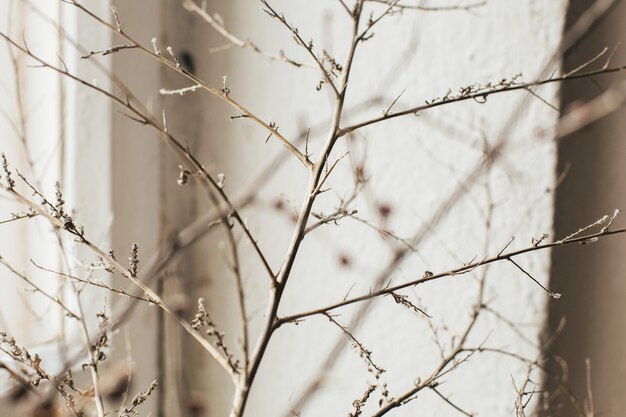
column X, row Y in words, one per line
column 245, row 383
column 93, row 367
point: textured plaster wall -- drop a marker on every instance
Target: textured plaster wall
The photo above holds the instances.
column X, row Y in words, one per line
column 21, row 312
column 39, row 94
column 77, row 138
column 414, row 165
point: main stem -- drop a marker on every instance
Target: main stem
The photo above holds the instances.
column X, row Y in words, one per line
column 244, row 384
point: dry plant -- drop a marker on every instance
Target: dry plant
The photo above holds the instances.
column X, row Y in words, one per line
column 240, row 357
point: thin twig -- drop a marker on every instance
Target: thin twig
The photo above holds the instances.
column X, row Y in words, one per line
column 126, row 273
column 241, row 301
column 38, row 289
column 243, row 389
column 19, row 217
column 191, row 6
column 173, row 65
column 180, row 149
column 307, row 46
column 481, row 95
column 463, row 7
column 91, row 283
column 450, row 403
column 587, row 63
column 554, row 295
column 449, row 273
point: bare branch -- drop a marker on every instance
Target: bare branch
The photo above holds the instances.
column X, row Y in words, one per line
column 108, row 51
column 463, row 7
column 233, row 40
column 308, row 46
column 449, row 273
column 151, row 294
column 177, row 68
column 38, row 289
column 554, row 295
column 481, row 94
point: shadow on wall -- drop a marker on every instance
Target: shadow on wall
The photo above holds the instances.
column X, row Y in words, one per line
column 591, row 278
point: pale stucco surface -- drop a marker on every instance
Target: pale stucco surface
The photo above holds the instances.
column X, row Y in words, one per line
column 413, row 165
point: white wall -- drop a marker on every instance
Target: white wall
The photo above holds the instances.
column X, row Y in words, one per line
column 70, row 131
column 30, row 111
column 413, row 165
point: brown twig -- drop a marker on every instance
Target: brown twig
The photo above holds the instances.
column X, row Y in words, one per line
column 243, row 389
column 480, row 95
column 126, row 273
column 102, row 285
column 462, row 7
column 308, row 46
column 38, row 289
column 175, row 66
column 180, row 149
column 241, row 302
column 450, row 273
column 233, row 40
